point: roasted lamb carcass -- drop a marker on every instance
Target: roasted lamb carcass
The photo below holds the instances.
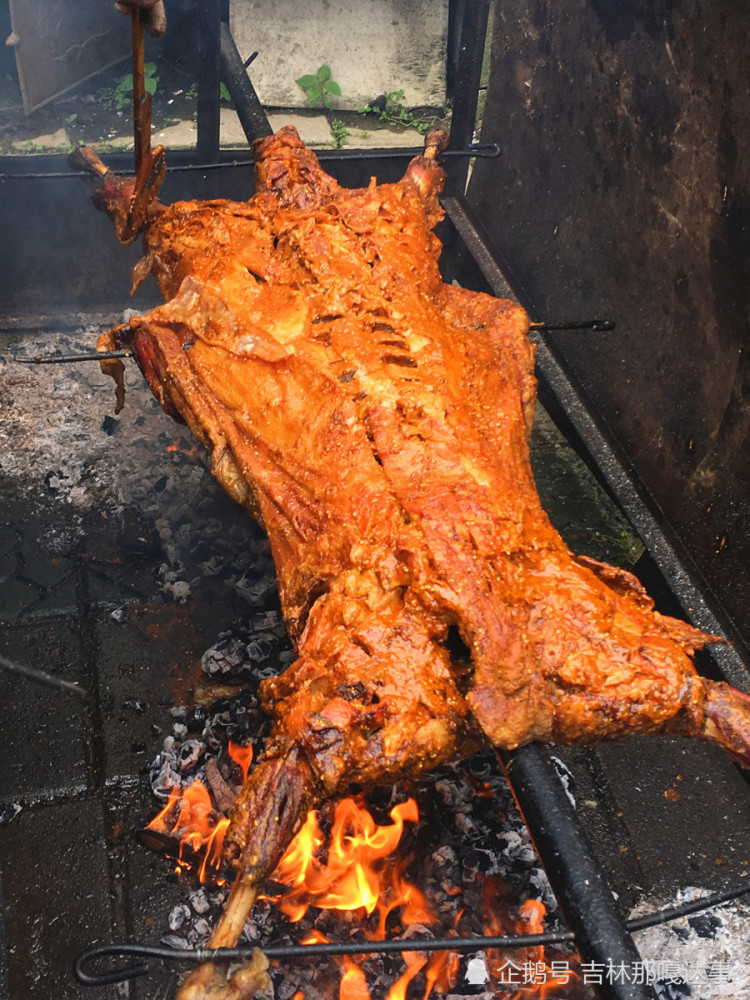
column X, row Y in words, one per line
column 376, row 420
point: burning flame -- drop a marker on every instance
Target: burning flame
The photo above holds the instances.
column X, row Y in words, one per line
column 357, row 869
column 242, row 756
column 190, row 818
column 350, row 878
column 361, row 872
column 526, row 966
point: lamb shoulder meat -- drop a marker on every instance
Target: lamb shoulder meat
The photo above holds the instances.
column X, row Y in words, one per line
column 375, row 420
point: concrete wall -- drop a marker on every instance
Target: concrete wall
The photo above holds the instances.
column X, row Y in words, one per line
column 372, row 46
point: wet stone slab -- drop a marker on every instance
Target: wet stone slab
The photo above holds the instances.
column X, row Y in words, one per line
column 46, row 732
column 148, row 659
column 56, row 897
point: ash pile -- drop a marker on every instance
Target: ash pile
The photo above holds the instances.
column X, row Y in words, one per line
column 134, row 482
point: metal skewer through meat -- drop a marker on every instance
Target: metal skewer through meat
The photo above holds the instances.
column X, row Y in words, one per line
column 375, row 420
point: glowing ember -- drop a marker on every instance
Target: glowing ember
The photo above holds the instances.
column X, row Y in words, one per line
column 527, row 968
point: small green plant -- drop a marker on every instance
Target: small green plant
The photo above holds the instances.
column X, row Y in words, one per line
column 390, row 108
column 118, row 98
column 224, row 93
column 319, row 88
column 71, row 119
column 340, row 133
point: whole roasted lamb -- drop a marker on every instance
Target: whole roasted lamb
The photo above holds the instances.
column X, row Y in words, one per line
column 375, row 420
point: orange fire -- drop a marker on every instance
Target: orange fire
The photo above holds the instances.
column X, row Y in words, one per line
column 190, row 818
column 527, row 968
column 359, row 862
column 242, row 756
column 361, row 872
column 357, row 869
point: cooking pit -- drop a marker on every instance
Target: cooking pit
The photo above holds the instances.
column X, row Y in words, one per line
column 131, row 574
column 139, row 612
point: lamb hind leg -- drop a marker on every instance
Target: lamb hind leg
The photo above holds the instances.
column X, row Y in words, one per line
column 727, row 720
column 268, row 813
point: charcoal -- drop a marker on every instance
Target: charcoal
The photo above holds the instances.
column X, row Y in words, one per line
column 164, row 774
column 240, row 651
column 483, row 861
column 445, row 857
column 223, row 657
column 199, row 901
column 705, row 925
column 196, row 719
column 222, row 794
column 176, row 941
column 201, row 929
column 178, row 916
column 190, row 753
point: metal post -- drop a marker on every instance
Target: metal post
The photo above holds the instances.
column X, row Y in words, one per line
column 473, row 33
column 249, row 109
column 208, row 23
column 585, row 899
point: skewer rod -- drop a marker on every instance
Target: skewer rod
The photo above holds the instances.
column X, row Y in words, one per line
column 42, row 677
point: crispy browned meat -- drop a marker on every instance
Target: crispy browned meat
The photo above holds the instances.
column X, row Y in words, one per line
column 376, row 420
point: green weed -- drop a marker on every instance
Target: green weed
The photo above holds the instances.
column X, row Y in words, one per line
column 340, row 133
column 319, row 88
column 119, row 98
column 391, row 108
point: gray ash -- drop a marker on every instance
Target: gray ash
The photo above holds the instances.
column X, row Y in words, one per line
column 250, row 651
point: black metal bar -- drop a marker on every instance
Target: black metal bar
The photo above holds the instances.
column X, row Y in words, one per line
column 145, row 952
column 208, row 26
column 563, row 398
column 249, row 110
column 489, row 151
column 585, row 899
column 468, row 74
column 65, row 359
column 42, row 677
column 597, row 325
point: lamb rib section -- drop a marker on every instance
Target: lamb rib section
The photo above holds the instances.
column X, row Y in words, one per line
column 375, row 420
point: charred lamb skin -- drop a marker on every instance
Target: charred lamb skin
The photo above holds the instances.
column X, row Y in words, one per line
column 375, row 420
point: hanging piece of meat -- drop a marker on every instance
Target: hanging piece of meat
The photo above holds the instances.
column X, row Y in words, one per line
column 375, row 420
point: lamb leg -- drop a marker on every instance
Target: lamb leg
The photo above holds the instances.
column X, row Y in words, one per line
column 268, row 813
column 727, row 720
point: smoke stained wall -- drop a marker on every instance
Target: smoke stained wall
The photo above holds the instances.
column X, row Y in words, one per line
column 623, row 191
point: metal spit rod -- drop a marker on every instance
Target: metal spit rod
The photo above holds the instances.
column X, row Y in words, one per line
column 143, row 954
column 585, row 899
column 594, row 325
